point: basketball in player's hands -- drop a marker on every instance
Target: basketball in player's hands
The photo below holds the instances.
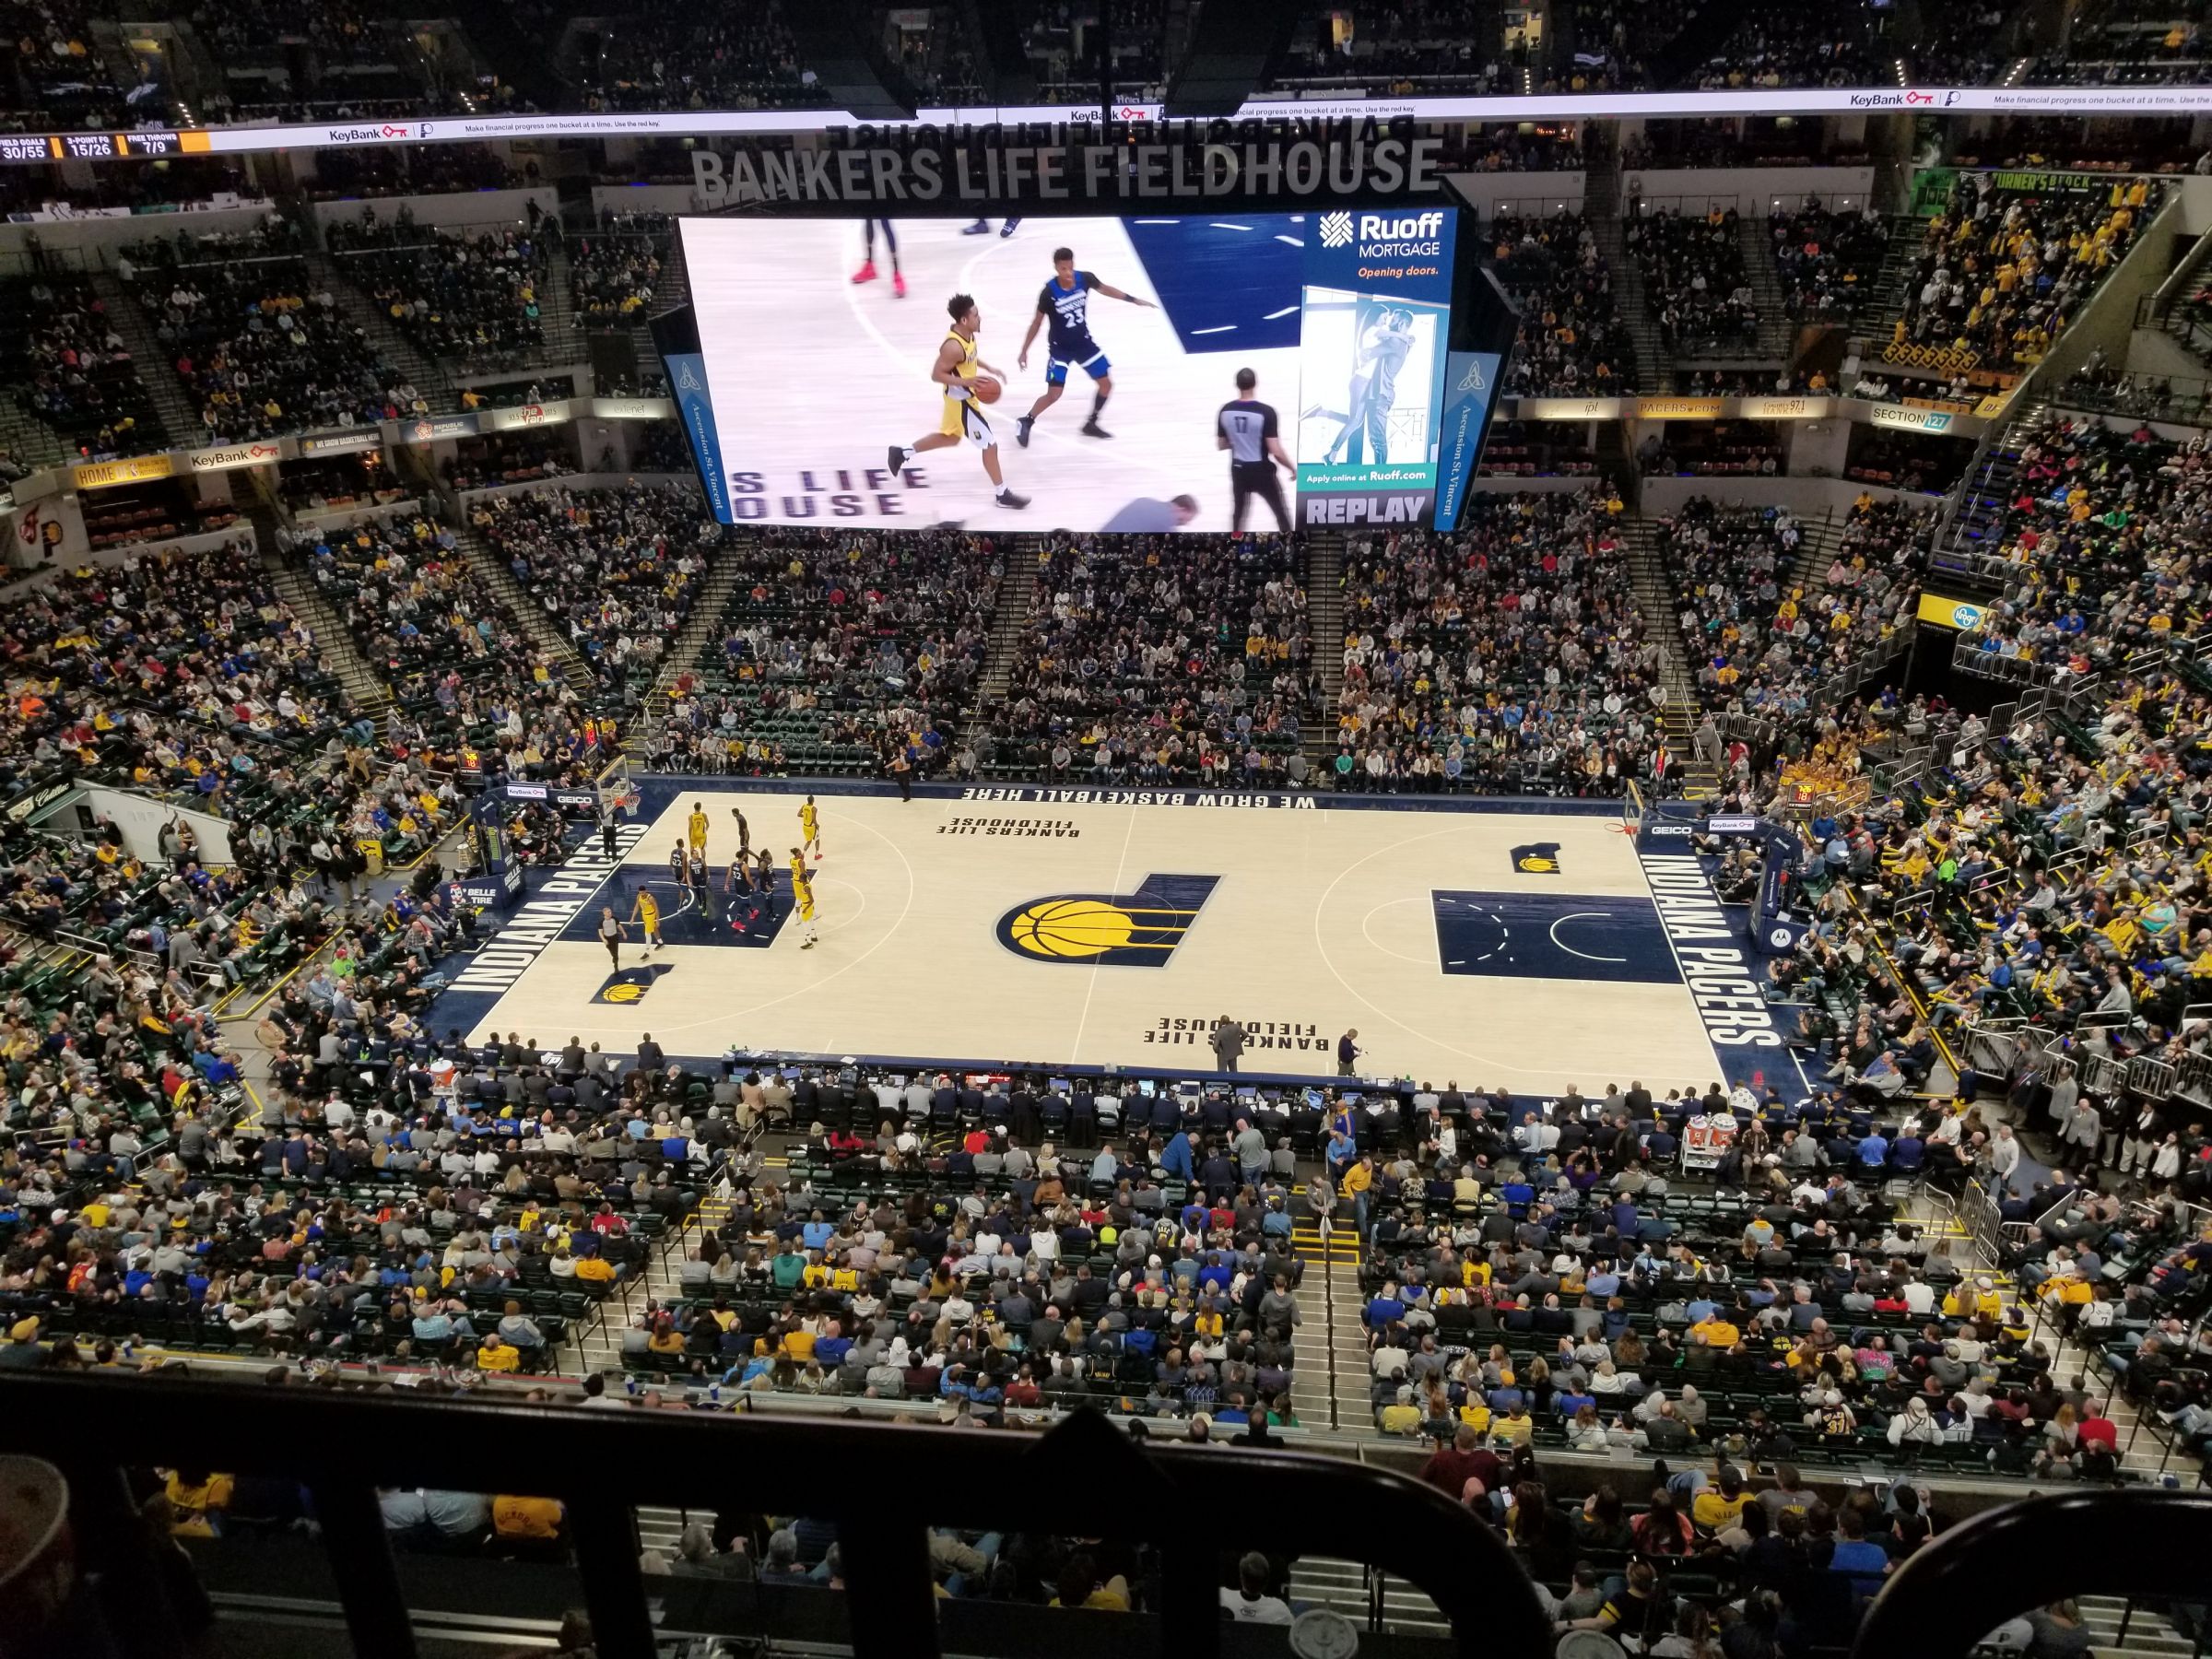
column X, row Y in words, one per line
column 987, row 389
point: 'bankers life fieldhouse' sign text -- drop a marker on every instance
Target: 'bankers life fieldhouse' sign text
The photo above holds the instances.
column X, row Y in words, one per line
column 1340, row 158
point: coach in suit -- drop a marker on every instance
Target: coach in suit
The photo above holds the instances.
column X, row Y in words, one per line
column 1228, row 1043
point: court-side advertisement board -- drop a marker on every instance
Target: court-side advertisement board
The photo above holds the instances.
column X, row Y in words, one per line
column 1130, row 374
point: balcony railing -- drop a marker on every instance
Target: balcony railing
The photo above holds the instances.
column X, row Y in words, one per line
column 883, row 1485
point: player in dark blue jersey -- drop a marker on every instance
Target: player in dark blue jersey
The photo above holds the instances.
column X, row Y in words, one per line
column 1063, row 306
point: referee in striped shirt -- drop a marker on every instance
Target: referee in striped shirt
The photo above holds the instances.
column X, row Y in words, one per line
column 1247, row 428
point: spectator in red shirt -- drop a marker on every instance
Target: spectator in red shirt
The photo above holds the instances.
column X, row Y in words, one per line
column 2095, row 1428
column 1450, row 1468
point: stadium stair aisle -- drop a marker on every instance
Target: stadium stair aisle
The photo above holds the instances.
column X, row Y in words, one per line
column 1775, row 326
column 1323, row 579
column 674, row 292
column 201, row 78
column 492, row 570
column 1348, row 1587
column 707, row 619
column 659, row 1283
column 2182, row 317
column 2144, row 1448
column 525, row 57
column 564, row 341
column 431, row 381
column 1659, row 606
column 1976, row 514
column 1821, row 538
column 1320, row 1356
column 27, row 439
column 30, row 951
column 339, row 656
column 178, row 420
column 1348, row 1368
column 1015, row 588
column 1654, row 370
column 1890, row 283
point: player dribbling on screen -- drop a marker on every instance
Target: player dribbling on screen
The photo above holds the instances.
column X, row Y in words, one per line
column 955, row 370
column 1065, row 303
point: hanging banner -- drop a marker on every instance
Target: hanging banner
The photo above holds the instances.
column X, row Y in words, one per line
column 1932, row 190
column 1471, row 384
column 688, row 379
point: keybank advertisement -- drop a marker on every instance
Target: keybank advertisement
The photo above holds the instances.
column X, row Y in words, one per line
column 1373, row 316
column 1470, row 387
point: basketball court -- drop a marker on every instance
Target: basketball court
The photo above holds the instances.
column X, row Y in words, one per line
column 1481, row 942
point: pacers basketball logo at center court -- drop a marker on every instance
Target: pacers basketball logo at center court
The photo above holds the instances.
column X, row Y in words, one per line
column 1116, row 929
column 630, row 984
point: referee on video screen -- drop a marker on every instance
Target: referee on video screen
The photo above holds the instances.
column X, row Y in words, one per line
column 1247, row 429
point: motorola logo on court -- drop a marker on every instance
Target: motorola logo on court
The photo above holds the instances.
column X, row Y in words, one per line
column 1336, row 230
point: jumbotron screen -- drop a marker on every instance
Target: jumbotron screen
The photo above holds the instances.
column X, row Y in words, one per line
column 839, row 372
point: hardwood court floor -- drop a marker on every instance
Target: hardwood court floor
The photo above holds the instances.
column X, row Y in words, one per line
column 1513, row 949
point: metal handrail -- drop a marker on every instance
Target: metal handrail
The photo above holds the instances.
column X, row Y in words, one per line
column 343, row 1447
column 1947, row 1597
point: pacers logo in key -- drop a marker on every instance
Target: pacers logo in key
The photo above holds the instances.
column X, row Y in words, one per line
column 1117, row 930
column 1538, row 858
column 632, row 983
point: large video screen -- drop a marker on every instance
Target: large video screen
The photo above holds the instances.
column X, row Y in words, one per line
column 833, row 383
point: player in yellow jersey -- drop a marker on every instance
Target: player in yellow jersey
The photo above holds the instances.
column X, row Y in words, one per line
column 648, row 917
column 954, row 371
column 810, row 830
column 696, row 829
column 802, row 898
